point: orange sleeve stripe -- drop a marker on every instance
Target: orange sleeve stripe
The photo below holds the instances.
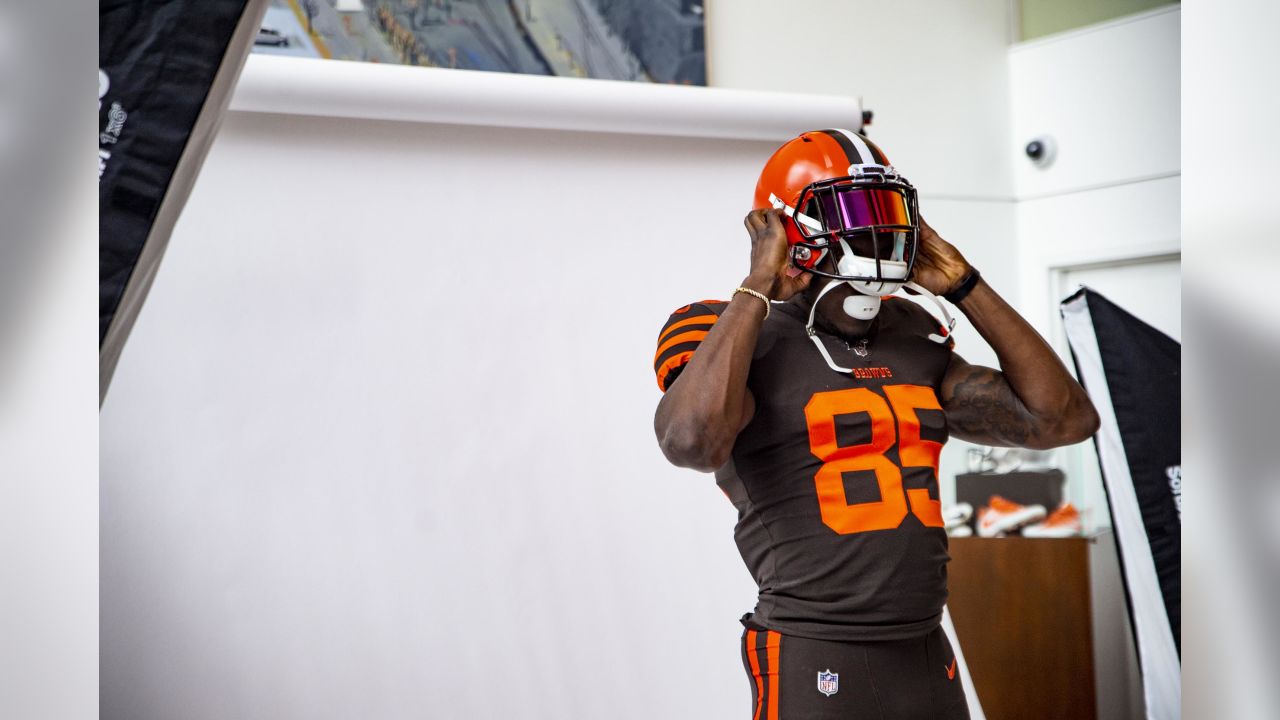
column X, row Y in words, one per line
column 672, row 363
column 699, row 320
column 754, row 663
column 692, row 336
column 773, row 645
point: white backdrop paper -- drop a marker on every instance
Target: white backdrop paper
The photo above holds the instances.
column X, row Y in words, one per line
column 301, row 86
column 381, row 444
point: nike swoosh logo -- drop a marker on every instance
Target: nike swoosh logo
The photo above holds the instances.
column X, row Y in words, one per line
column 951, row 671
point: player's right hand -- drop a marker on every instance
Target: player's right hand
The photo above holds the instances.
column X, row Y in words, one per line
column 771, row 270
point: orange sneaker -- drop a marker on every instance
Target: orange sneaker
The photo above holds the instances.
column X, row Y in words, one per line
column 1063, row 522
column 1002, row 516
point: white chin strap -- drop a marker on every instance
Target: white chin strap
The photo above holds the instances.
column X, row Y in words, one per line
column 948, row 322
column 864, row 306
column 873, row 303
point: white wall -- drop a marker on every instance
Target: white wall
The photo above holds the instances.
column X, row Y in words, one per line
column 1109, row 95
column 933, row 72
column 1104, row 213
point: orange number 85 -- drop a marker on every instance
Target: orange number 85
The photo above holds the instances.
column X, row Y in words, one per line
column 889, row 511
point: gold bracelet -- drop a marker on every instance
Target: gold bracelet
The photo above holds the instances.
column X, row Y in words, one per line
column 754, row 293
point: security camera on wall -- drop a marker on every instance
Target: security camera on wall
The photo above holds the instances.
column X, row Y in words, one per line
column 1041, row 150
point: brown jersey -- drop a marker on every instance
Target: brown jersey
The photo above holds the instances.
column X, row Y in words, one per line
column 836, row 476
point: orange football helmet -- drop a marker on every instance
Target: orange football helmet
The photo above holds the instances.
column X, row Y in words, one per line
column 839, row 190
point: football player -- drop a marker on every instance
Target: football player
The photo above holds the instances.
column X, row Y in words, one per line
column 821, row 402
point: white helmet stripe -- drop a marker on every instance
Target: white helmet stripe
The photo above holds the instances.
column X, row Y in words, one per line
column 868, row 157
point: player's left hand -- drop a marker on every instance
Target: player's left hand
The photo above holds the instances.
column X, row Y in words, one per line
column 939, row 265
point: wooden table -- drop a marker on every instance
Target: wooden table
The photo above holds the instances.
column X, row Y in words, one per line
column 1022, row 611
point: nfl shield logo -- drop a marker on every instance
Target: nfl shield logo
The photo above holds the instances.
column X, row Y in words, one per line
column 828, row 682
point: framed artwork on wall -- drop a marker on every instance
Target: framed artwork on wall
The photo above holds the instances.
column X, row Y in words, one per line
column 658, row 41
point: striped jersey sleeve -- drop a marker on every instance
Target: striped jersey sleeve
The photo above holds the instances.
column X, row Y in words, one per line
column 681, row 335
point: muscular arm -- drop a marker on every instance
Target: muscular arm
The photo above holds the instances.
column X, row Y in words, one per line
column 703, row 411
column 1032, row 401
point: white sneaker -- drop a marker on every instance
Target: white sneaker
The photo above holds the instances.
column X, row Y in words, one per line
column 1003, row 516
column 956, row 520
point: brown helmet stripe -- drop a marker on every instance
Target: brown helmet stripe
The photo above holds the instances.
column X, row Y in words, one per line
column 852, row 149
column 855, row 158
